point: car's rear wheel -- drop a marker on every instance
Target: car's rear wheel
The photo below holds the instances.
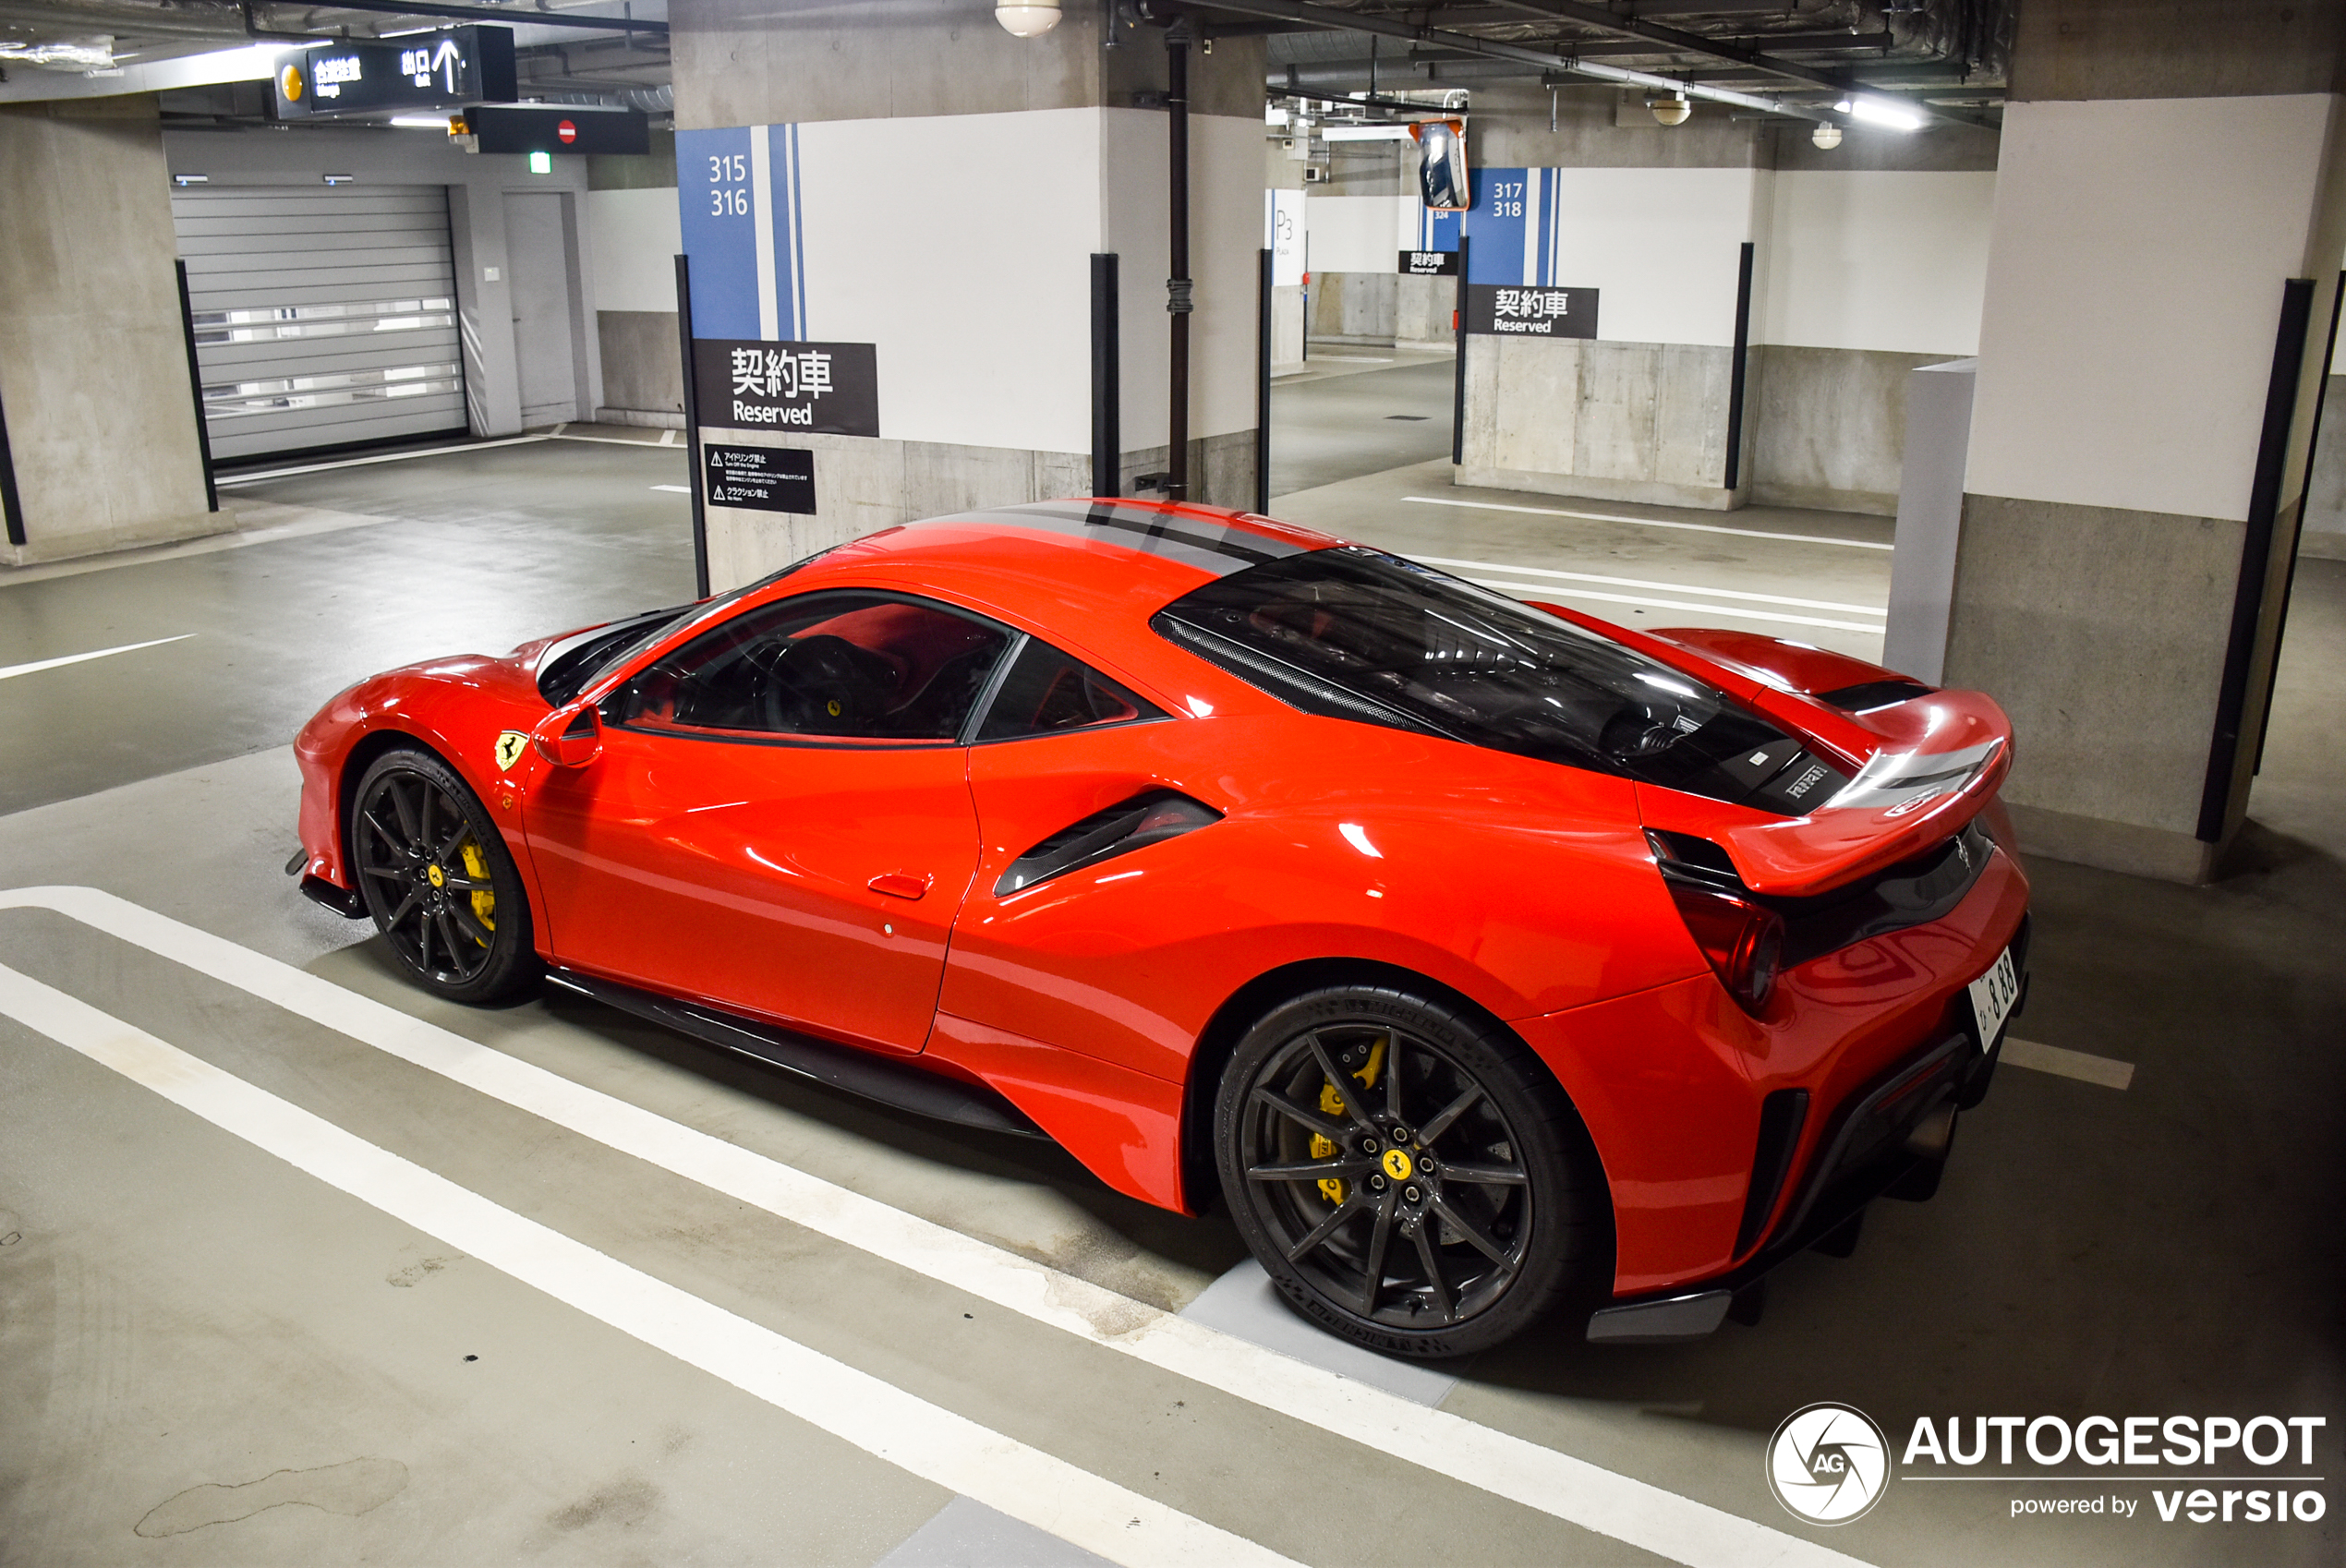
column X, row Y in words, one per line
column 1409, row 1175
column 436, row 875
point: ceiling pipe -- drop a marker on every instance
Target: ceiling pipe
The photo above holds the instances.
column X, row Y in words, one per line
column 1678, row 40
column 509, row 16
column 1353, row 21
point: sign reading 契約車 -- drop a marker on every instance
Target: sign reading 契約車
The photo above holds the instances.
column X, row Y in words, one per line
column 1428, row 263
column 810, row 388
column 1505, row 310
column 764, row 478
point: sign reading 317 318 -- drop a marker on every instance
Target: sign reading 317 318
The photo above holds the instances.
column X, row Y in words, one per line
column 807, row 388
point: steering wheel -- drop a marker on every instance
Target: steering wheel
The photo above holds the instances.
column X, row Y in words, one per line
column 821, row 685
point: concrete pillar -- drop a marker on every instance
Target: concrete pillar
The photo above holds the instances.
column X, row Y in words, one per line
column 93, row 359
column 935, row 187
column 2136, row 464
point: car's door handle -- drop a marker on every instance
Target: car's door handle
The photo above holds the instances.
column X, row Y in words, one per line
column 896, row 885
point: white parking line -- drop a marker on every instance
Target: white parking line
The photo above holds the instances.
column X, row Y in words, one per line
column 876, row 1417
column 234, row 480
column 1645, row 522
column 1642, row 583
column 2108, row 1071
column 677, row 489
column 1557, row 591
column 1572, row 1490
column 39, row 664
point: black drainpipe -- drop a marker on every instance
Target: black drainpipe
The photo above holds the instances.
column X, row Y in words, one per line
column 1177, row 286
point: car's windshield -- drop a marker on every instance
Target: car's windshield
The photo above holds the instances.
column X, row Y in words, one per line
column 1356, row 634
column 575, row 663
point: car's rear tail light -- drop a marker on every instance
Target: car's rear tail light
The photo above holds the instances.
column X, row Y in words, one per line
column 1741, row 938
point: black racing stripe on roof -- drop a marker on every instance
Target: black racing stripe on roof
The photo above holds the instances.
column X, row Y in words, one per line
column 1210, row 546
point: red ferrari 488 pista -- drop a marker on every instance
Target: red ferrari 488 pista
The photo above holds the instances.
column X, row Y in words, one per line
column 1484, row 957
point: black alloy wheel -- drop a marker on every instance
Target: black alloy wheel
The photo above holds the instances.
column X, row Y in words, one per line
column 436, row 877
column 1410, row 1177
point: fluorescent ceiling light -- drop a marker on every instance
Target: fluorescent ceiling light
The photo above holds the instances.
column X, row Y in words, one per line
column 1878, row 112
column 1366, row 133
column 421, row 122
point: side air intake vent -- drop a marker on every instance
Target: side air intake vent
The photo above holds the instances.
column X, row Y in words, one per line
column 1146, row 819
column 1780, row 1116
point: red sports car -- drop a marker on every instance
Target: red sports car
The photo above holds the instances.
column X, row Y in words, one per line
column 1485, row 956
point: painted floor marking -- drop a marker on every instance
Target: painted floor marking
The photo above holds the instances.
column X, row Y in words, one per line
column 880, row 1418
column 676, row 490
column 1500, row 566
column 2108, row 1071
column 616, row 440
column 1636, row 1511
column 379, row 457
column 1777, row 617
column 38, row 665
column 1647, row 522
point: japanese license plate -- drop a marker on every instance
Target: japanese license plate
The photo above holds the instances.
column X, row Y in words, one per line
column 1992, row 995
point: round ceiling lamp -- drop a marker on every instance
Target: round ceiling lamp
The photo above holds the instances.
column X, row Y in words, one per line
column 1827, row 135
column 1671, row 111
column 1026, row 19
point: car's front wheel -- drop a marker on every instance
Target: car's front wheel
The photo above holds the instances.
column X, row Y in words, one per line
column 436, row 875
column 1409, row 1175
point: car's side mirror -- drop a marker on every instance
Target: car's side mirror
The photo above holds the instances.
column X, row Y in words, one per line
column 570, row 737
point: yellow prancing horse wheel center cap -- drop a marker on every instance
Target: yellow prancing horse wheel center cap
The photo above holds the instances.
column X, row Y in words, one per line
column 440, row 877
column 1396, row 1165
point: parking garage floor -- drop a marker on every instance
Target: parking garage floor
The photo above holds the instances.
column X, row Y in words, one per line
column 298, row 1265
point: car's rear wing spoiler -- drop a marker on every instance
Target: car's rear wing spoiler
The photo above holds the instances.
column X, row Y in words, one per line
column 1920, row 770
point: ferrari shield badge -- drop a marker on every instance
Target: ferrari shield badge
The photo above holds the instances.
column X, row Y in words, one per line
column 509, row 749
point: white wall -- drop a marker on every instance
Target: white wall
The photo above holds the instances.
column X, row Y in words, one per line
column 633, row 236
column 1355, row 234
column 1662, row 247
column 2133, row 290
column 980, row 306
column 1879, row 259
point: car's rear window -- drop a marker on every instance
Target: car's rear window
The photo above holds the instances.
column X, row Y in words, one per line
column 1354, row 634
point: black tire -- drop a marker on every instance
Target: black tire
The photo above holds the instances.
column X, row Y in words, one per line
column 1380, row 1249
column 419, row 842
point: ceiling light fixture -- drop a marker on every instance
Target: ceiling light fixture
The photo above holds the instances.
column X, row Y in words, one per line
column 1671, row 111
column 420, row 122
column 1827, row 135
column 1365, row 133
column 1024, row 19
column 1881, row 112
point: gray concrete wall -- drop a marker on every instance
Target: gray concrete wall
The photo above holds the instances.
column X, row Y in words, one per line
column 1353, row 307
column 93, row 358
column 865, row 485
column 2099, row 631
column 2324, row 532
column 642, row 358
column 1616, row 421
column 1422, row 311
column 1828, row 427
column 1286, row 326
column 643, row 368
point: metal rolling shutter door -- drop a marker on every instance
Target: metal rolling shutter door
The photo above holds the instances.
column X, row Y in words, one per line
column 323, row 316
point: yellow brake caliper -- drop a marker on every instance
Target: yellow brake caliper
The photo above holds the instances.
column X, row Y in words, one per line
column 484, row 902
column 1331, row 1101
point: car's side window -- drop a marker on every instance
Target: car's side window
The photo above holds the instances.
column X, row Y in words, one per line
column 846, row 665
column 1047, row 691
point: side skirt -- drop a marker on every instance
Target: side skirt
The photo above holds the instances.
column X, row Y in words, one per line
column 897, row 1084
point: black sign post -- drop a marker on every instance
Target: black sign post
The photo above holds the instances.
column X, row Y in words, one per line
column 790, row 388
column 421, row 70
column 692, row 423
column 763, row 478
column 1500, row 310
